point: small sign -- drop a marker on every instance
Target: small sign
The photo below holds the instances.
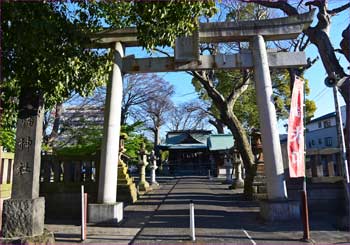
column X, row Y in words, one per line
column 187, row 48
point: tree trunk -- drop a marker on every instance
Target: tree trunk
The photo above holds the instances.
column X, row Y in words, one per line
column 345, row 43
column 123, row 116
column 218, row 125
column 156, row 143
column 244, row 148
column 330, row 62
column 56, row 123
column 156, row 138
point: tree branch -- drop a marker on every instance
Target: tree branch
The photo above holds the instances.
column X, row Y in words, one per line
column 338, row 10
column 282, row 5
column 303, row 47
column 234, row 95
column 162, row 52
column 208, row 85
column 310, row 63
column 300, row 2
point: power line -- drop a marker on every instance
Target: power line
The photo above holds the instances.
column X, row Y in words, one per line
column 183, row 95
column 318, row 94
column 321, row 96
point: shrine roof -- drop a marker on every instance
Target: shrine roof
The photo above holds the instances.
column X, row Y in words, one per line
column 217, row 142
column 183, row 146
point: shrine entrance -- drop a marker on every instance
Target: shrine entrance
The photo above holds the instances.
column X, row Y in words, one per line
column 187, row 58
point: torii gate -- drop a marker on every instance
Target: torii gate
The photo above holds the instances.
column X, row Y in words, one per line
column 187, row 58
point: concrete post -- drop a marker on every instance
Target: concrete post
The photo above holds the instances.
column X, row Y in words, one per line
column 108, row 210
column 153, row 161
column 276, row 186
column 107, row 192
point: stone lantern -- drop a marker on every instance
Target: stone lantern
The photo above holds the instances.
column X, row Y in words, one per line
column 258, row 151
column 259, row 182
column 237, row 163
column 143, row 185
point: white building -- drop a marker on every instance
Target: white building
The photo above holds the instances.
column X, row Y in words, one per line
column 321, row 132
column 79, row 116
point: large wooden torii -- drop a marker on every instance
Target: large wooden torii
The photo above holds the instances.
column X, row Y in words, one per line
column 187, row 58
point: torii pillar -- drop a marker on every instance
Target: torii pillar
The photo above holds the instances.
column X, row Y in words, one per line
column 276, row 185
column 277, row 207
column 108, row 210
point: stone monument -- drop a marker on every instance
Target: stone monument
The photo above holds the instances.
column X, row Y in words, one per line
column 23, row 214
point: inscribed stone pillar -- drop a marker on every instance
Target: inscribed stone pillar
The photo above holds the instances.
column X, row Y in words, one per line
column 23, row 214
column 276, row 186
column 28, row 151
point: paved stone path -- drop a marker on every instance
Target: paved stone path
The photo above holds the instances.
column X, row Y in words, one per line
column 221, row 216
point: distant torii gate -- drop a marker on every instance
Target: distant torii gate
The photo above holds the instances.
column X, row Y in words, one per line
column 187, row 58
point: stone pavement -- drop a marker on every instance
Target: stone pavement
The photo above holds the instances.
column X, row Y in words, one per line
column 221, row 217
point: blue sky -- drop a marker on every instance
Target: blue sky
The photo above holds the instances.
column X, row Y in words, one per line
column 322, row 95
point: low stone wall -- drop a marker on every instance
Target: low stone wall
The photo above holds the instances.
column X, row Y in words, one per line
column 63, row 200
column 322, row 196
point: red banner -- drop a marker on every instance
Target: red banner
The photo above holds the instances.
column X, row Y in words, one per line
column 295, row 143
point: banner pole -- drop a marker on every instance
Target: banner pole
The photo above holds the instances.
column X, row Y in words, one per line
column 305, row 209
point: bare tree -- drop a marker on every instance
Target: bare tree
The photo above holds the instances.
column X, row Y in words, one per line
column 138, row 89
column 153, row 112
column 189, row 115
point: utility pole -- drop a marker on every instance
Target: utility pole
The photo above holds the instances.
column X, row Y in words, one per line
column 342, row 146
